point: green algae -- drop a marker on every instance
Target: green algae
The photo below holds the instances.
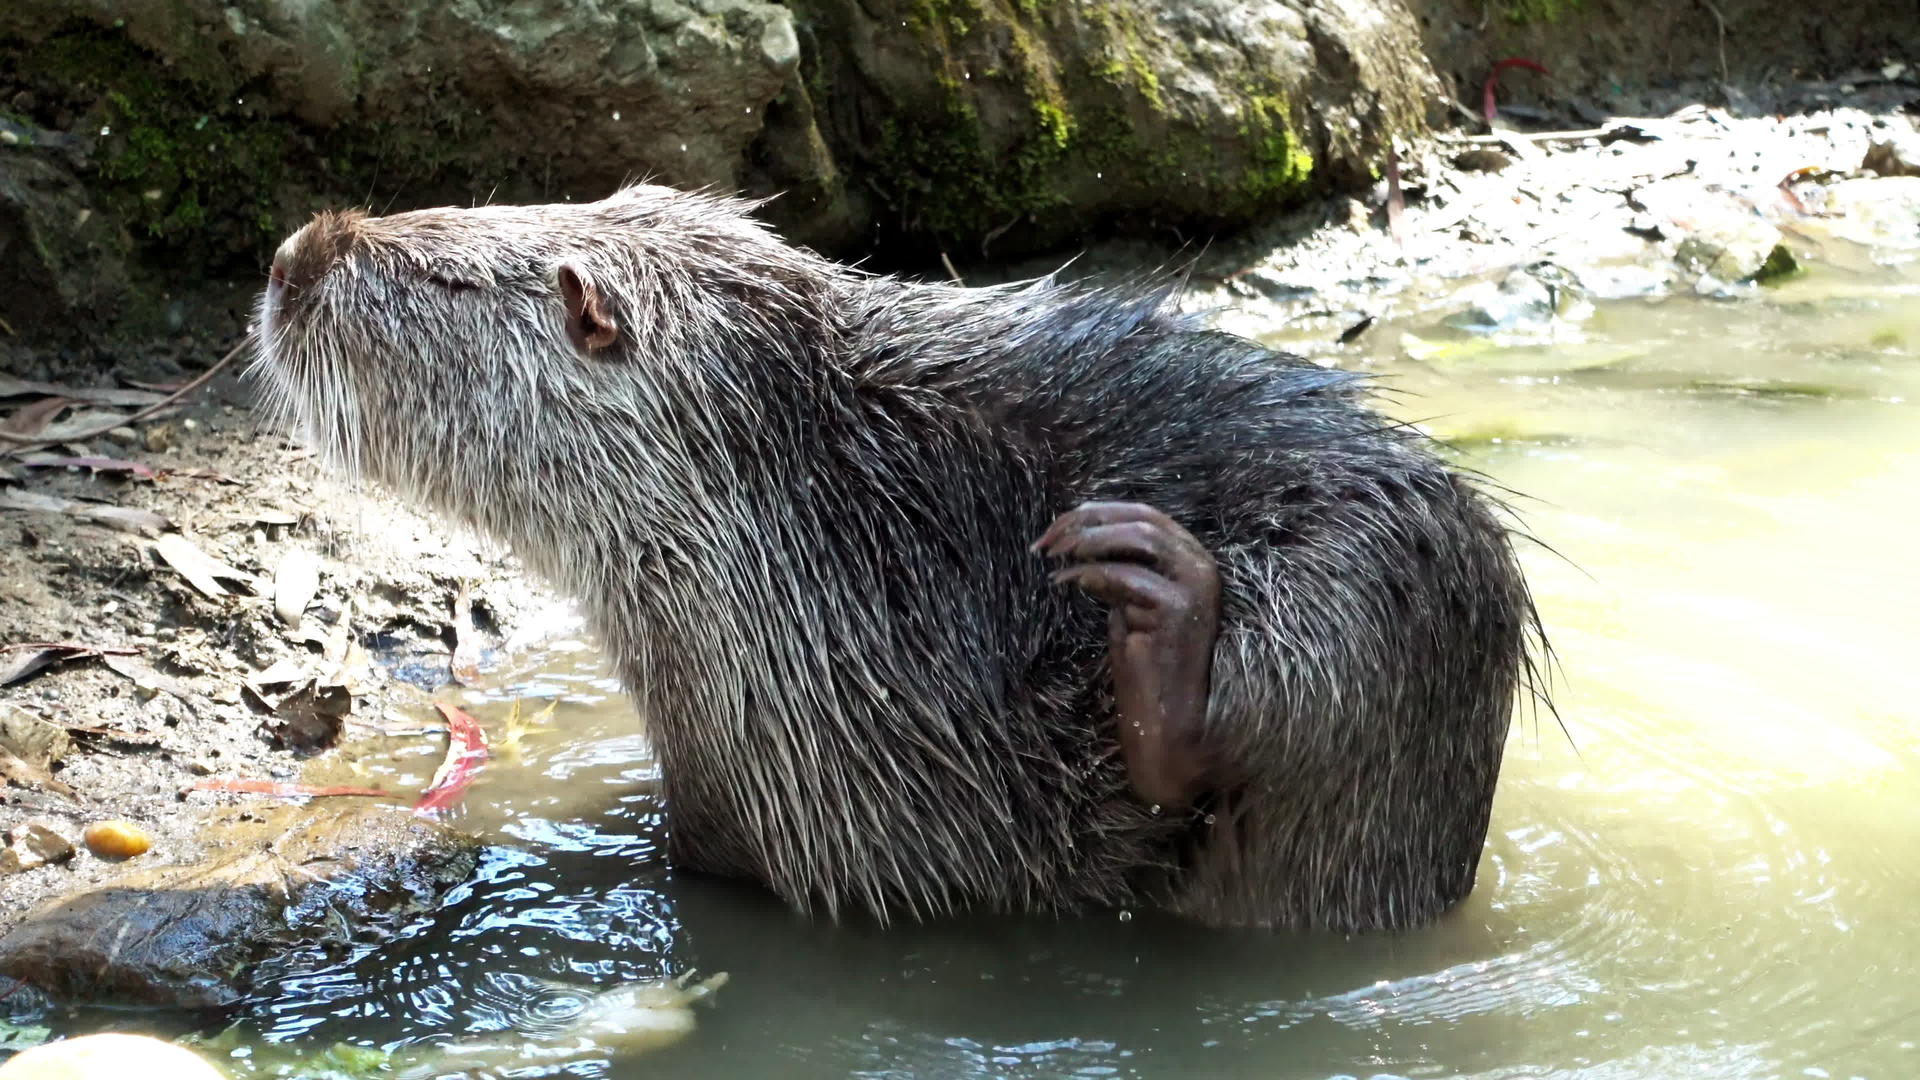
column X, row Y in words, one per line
column 1529, row 12
column 182, row 159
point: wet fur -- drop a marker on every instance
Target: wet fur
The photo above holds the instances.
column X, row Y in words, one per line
column 795, row 501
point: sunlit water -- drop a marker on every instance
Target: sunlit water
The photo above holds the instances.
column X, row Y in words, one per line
column 1719, row 876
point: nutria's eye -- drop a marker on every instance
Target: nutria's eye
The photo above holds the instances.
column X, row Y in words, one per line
column 452, row 284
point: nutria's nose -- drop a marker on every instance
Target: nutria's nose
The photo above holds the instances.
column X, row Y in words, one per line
column 308, row 254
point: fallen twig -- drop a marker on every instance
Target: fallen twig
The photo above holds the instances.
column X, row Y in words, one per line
column 290, row 791
column 44, row 654
column 1721, row 20
column 1396, row 199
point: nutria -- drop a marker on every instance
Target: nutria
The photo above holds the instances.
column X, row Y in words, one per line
column 1037, row 597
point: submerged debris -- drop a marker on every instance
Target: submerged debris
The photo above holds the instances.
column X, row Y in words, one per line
column 625, row 1020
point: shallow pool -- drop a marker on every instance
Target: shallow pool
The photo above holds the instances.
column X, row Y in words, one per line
column 1712, row 871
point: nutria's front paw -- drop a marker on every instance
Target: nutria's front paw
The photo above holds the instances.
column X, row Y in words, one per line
column 1163, row 590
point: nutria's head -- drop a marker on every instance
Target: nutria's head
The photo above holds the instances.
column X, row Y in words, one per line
column 480, row 360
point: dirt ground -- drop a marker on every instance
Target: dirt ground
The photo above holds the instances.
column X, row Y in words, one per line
column 161, row 687
column 165, row 701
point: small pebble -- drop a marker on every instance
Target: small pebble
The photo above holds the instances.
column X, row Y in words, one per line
column 31, row 846
column 117, row 839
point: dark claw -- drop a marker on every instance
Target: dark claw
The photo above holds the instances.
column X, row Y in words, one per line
column 1163, row 589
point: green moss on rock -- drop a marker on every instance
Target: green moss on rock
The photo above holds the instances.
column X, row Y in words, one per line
column 1780, row 265
column 193, row 160
column 1127, row 65
column 943, row 178
column 1524, row 12
column 181, row 158
column 1282, row 165
column 938, row 168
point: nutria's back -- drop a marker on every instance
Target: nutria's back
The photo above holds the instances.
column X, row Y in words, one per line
column 796, row 502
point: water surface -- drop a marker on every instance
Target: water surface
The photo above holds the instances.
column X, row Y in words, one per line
column 1713, row 871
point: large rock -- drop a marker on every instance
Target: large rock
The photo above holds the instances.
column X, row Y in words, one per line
column 205, row 108
column 62, row 262
column 189, row 935
column 204, row 130
column 1027, row 121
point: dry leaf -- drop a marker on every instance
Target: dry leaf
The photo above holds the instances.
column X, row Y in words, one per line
column 274, row 516
column 518, row 727
column 12, row 387
column 294, row 584
column 20, row 664
column 124, row 518
column 92, row 464
column 199, row 568
column 34, row 501
column 345, row 659
column 30, row 420
column 162, row 387
column 33, row 845
column 81, row 425
column 282, row 672
column 310, row 719
column 466, row 753
column 117, row 735
column 334, row 651
column 28, row 657
column 146, row 678
column 21, row 773
column 30, row 738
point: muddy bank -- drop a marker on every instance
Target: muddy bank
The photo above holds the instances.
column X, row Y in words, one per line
column 1700, row 200
column 337, row 617
column 1685, row 197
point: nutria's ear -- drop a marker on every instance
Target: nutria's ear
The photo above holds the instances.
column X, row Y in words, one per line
column 590, row 324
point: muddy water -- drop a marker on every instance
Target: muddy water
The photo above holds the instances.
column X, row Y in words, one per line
column 1714, row 871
